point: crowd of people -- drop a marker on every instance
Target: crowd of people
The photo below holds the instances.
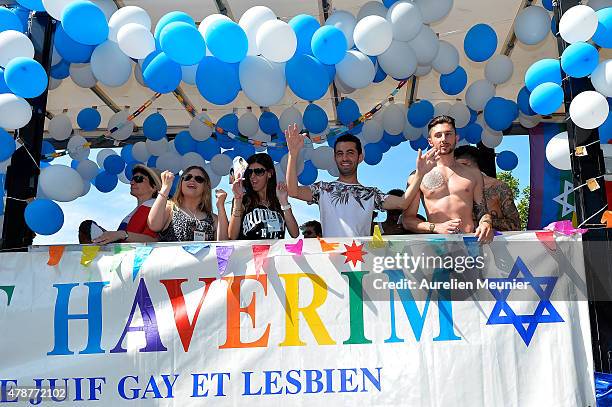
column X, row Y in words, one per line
column 456, row 195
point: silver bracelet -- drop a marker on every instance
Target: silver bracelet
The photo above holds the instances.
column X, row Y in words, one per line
column 285, row 207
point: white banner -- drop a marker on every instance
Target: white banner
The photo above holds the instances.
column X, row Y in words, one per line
column 298, row 323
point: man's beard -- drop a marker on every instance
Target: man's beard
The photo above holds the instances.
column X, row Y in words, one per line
column 450, row 150
column 346, row 171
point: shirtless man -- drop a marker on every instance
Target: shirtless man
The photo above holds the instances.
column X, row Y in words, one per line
column 452, row 193
column 498, row 195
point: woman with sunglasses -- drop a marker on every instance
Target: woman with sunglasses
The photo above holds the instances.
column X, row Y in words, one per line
column 261, row 207
column 188, row 216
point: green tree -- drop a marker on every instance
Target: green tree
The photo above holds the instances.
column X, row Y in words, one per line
column 521, row 200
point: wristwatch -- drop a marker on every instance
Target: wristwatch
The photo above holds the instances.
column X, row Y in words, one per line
column 285, row 207
column 432, row 226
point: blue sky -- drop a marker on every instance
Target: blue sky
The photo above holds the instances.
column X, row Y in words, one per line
column 392, row 172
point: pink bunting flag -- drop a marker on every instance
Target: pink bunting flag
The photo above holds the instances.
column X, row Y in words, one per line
column 260, row 255
column 223, row 255
column 564, row 227
column 547, row 238
column 295, row 248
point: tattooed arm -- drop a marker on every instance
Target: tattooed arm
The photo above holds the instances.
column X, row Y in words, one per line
column 508, row 219
column 484, row 230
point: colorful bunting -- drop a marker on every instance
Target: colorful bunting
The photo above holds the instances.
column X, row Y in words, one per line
column 223, row 256
column 295, row 248
column 472, row 245
column 89, row 254
column 140, row 256
column 354, row 253
column 547, row 238
column 328, row 247
column 55, row 255
column 260, row 255
column 8, row 289
column 606, row 219
column 564, row 227
column 377, row 240
column 195, row 248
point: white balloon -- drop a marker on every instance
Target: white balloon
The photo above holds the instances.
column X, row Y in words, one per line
column 87, row 185
column 499, row 69
column 599, row 4
column 447, row 59
column 60, row 183
column 108, row 7
column 399, row 60
column 77, row 148
column 423, row 70
column 411, row 133
column 87, row 169
column 289, row 116
column 135, row 40
column 250, row 22
column 138, row 75
column 15, row 111
column 189, row 73
column 158, row 147
column 60, row 127
column 169, row 161
column 14, row 44
column 122, row 178
column 248, row 124
column 322, row 157
column 602, row 78
column 262, row 81
column 442, row 108
column 300, row 162
column 221, row 164
column 276, row 41
column 82, row 75
column 54, row 83
column 425, row 45
column 261, row 136
column 56, row 58
column 491, row 138
column 102, row 155
column 434, row 10
column 478, row 94
column 121, row 119
column 191, row 159
column 172, row 147
column 208, row 20
column 110, row 65
column 140, row 152
column 589, row 109
column 529, row 122
column 127, row 15
column 198, row 130
column 372, row 131
column 460, row 112
column 394, row 118
column 214, row 178
column 345, row 22
column 558, row 152
column 373, row 35
column 343, row 87
column 406, row 19
column 372, row 8
column 579, row 23
column 55, row 7
column 532, row 25
column 356, row 69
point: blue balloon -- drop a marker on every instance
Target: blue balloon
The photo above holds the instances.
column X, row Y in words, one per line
column 315, row 119
column 507, row 160
column 168, row 18
column 605, row 130
column 546, row 98
column 25, row 77
column 89, row 119
column 480, row 42
column 114, row 164
column 208, row 148
column 44, row 216
column 126, row 153
column 544, row 70
column 7, row 145
column 331, row 72
column 61, row 70
column 69, row 49
column 380, row 74
column 454, row 82
column 46, row 149
column 85, row 22
column 389, row 3
column 421, row 143
column 74, row 164
column 306, row 77
column 309, row 173
column 523, row 101
column 155, row 127
column 35, row 5
column 162, row 74
column 105, row 181
column 473, row 116
column 229, row 122
column 473, row 133
column 9, row 21
column 218, row 81
column 23, row 14
column 393, row 139
column 420, row 113
column 384, row 146
column 129, row 166
column 603, row 35
column 329, row 45
column 268, row 123
column 184, row 143
column 547, row 5
column 3, row 87
column 244, row 150
column 227, row 41
column 499, row 113
column 277, row 153
column 348, row 111
column 372, row 153
column 304, row 26
column 579, row 59
column 182, row 43
column 151, row 162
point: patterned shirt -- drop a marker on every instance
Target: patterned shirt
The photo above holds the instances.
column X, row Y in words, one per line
column 346, row 209
column 183, row 225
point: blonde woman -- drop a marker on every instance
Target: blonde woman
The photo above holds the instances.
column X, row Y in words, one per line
column 188, row 215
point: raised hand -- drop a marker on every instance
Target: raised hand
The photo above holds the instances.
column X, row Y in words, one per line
column 295, row 141
column 238, row 189
column 282, row 194
column 167, row 178
column 426, row 162
column 221, row 195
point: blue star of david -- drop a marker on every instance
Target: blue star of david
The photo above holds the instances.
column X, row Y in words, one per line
column 524, row 324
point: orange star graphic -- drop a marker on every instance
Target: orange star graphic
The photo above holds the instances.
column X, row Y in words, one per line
column 354, row 253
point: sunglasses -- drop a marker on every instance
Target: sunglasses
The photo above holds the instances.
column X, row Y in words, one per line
column 139, row 179
column 198, row 178
column 257, row 171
